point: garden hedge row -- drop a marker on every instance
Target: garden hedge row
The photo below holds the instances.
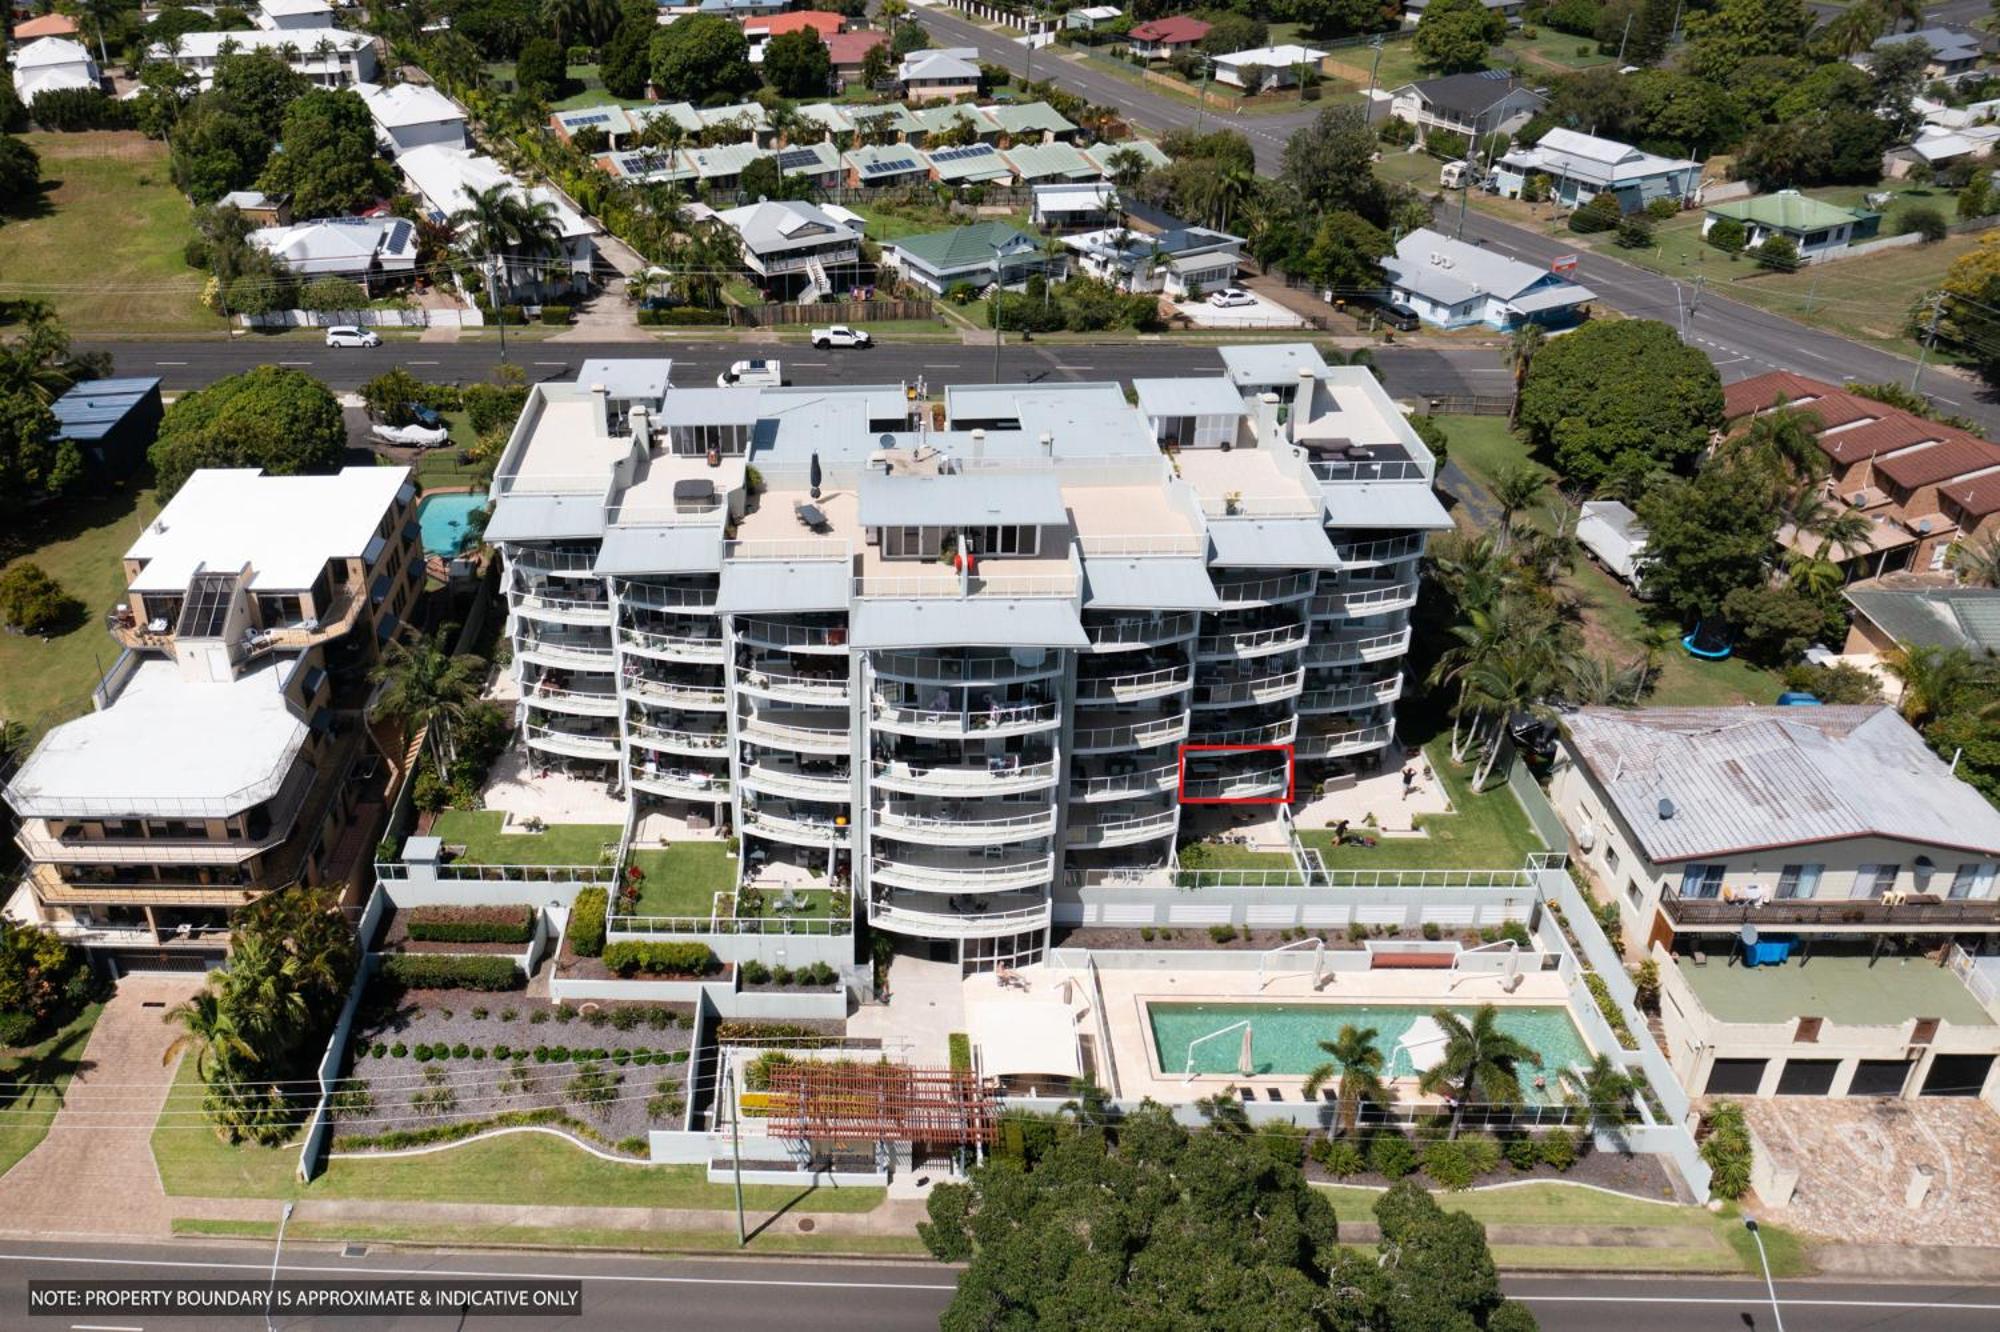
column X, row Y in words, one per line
column 661, row 959
column 433, row 971
column 472, row 924
column 586, row 922
column 682, row 315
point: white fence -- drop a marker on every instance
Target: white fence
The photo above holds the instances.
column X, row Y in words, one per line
column 365, row 318
column 320, row 1126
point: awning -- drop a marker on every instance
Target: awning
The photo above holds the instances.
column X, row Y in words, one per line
column 1025, row 1038
column 546, row 518
column 778, row 586
column 1270, row 543
column 1552, row 298
column 1378, row 504
column 1150, row 583
column 966, row 622
column 661, row 550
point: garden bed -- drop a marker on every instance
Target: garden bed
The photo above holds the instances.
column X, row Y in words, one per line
column 425, row 1065
column 1169, row 937
column 571, row 965
column 1640, row 1176
column 394, row 937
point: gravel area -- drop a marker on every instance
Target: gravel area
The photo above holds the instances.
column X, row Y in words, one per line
column 1637, row 1175
column 616, row 1100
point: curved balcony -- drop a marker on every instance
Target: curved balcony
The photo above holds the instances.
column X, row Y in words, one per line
column 1123, row 785
column 1000, row 720
column 823, row 780
column 680, row 783
column 1121, row 829
column 947, row 872
column 1129, row 633
column 672, row 647
column 1275, row 733
column 1234, row 693
column 577, row 702
column 592, row 611
column 676, row 694
column 963, row 779
column 762, row 730
column 1247, row 644
column 559, row 562
column 1348, row 650
column 700, row 744
column 787, row 687
column 795, row 827
column 1348, row 698
column 924, row 668
column 1089, row 737
column 692, row 599
column 784, row 636
column 1334, row 744
column 1390, row 550
column 1372, row 598
column 973, row 828
column 1135, row 686
column 570, row 744
column 576, row 654
column 1268, row 591
column 1017, row 913
column 1234, row 786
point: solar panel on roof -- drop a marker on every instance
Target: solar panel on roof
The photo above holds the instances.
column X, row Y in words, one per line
column 399, row 234
column 894, row 164
column 958, row 154
column 793, row 158
column 207, row 607
column 594, row 118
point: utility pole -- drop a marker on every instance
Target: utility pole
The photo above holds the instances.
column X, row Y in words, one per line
column 1374, row 67
column 1812, row 289
column 1201, row 106
column 1465, row 192
column 1624, row 37
column 1930, row 338
column 735, row 1147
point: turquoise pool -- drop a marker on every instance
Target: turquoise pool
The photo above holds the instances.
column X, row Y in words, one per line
column 442, row 518
column 1284, row 1038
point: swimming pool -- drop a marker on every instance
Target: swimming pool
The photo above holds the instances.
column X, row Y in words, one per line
column 1284, row 1038
column 442, row 519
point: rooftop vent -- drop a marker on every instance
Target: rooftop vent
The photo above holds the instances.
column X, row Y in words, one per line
column 1666, row 808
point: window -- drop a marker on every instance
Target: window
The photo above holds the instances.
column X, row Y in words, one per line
column 1004, row 540
column 1799, row 880
column 1874, row 880
column 1702, row 880
column 1973, row 880
column 1610, row 857
column 1632, row 894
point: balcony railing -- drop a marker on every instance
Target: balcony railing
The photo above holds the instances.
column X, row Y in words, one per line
column 934, row 586
column 1264, row 781
column 471, row 872
column 1340, row 472
column 563, row 610
column 802, row 739
column 794, row 688
column 1713, row 912
column 583, row 702
column 1350, row 697
column 572, row 744
column 1122, row 831
column 791, row 637
column 1118, row 786
column 786, row 780
column 963, row 779
column 655, row 927
column 908, row 825
column 891, row 915
column 1226, row 694
column 667, row 598
column 1139, row 631
column 1344, row 650
column 960, row 873
column 1137, row 735
column 561, row 562
column 578, row 653
column 668, row 692
column 1276, row 733
column 676, row 741
column 1332, row 744
column 1135, row 686
column 1372, row 599
column 960, row 670
column 796, row 827
column 1263, row 591
column 681, row 783
column 1250, row 642
column 1354, row 554
column 684, row 647
column 999, row 720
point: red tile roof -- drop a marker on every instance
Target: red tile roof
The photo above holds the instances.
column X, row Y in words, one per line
column 1884, row 434
column 1763, row 391
column 798, row 20
column 1173, row 29
column 1977, row 497
column 48, row 25
column 851, row 48
column 1953, row 456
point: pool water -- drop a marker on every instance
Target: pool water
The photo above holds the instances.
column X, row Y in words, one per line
column 442, row 519
column 1284, row 1038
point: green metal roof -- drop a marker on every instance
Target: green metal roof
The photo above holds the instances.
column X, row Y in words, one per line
column 961, row 247
column 1788, row 210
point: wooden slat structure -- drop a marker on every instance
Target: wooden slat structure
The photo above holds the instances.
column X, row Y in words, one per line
column 820, row 1101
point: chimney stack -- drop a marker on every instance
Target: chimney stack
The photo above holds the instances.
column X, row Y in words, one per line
column 978, row 445
column 600, row 404
column 1048, row 445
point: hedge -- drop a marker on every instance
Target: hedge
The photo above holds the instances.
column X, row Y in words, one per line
column 555, row 314
column 586, row 922
column 472, row 924
column 684, row 314
column 661, row 959
column 434, row 971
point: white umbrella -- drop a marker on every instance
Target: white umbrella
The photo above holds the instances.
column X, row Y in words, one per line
column 1424, row 1043
column 1244, row 1065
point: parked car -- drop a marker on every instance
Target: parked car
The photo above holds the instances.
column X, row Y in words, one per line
column 1400, row 317
column 423, row 415
column 840, row 335
column 347, row 335
column 1230, row 298
column 756, row 374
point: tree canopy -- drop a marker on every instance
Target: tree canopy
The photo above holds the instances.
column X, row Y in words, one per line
column 1620, row 400
column 269, row 417
column 1328, row 164
column 798, row 64
column 1453, row 36
column 329, row 165
column 702, row 56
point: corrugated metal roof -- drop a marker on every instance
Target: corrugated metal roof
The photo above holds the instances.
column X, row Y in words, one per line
column 1744, row 779
column 1149, row 583
column 783, row 585
column 1023, row 499
column 662, row 550
column 1376, row 504
column 1270, row 543
column 966, row 622
column 546, row 517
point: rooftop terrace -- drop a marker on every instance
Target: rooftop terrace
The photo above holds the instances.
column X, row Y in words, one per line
column 1842, row 988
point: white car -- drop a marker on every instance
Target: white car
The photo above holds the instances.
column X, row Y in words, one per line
column 1231, row 298
column 840, row 335
column 756, row 374
column 347, row 335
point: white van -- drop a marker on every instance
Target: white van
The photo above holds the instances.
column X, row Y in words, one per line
column 756, row 374
column 347, row 335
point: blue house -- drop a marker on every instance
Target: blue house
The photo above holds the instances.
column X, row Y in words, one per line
column 1454, row 285
column 112, row 423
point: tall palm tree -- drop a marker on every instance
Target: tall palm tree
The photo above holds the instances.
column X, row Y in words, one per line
column 1515, row 490
column 1593, row 681
column 1478, row 1057
column 1357, row 1061
column 1517, row 681
column 1977, row 562
column 1935, row 679
column 1605, row 1090
column 208, row 1030
column 425, row 687
column 1901, row 10
column 1521, row 348
column 500, row 223
column 1854, row 29
column 1228, row 190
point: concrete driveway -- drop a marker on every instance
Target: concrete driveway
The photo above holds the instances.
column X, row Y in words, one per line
column 1261, row 313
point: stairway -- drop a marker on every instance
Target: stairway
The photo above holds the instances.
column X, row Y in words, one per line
column 818, row 283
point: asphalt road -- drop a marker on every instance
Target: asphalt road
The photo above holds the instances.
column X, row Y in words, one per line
column 1408, row 371
column 653, row 1293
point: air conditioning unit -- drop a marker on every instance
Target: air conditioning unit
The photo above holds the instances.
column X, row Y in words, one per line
column 1923, row 527
column 1857, row 499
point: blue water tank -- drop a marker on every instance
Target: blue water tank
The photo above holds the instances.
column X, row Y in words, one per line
column 1792, row 698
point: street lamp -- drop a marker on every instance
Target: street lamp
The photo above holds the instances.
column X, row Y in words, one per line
column 1777, row 1315
column 271, row 1295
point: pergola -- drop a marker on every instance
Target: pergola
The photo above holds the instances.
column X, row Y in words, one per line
column 834, row 1102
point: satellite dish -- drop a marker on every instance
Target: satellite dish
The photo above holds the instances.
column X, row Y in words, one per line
column 1748, row 935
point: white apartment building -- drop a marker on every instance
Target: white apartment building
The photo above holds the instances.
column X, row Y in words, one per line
column 955, row 669
column 329, row 57
column 413, row 115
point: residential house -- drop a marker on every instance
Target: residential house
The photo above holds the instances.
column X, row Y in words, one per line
column 1488, row 102
column 1896, row 613
column 619, row 127
column 53, row 64
column 1455, row 285
column 872, row 167
column 371, row 251
column 293, row 15
column 1173, row 263
column 978, row 255
column 1935, row 148
column 818, row 164
column 259, row 209
column 1820, row 230
column 761, row 29
column 1029, row 122
column 943, row 73
column 1165, row 38
column 1413, row 10
column 1278, row 66
column 247, row 595
column 1108, row 155
column 1579, row 167
column 112, row 422
column 327, row 57
column 1090, row 18
column 43, row 25
column 445, row 179
column 955, row 119
column 744, row 9
column 1763, row 857
column 974, row 164
column 796, row 247
column 1036, row 163
column 647, row 165
column 1911, row 477
column 849, row 54
column 882, row 124
column 1091, row 205
column 721, row 168
column 1953, row 53
column 413, row 115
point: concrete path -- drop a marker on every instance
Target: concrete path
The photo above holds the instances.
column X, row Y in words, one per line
column 891, row 1218
column 605, row 317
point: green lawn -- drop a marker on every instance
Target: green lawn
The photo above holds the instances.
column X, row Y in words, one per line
column 1487, row 831
column 441, row 467
column 1399, row 64
column 519, row 1168
column 1549, row 48
column 108, row 241
column 1223, row 856
column 649, row 1240
column 683, row 879
column 560, row 844
column 818, row 904
column 80, row 543
column 29, row 1110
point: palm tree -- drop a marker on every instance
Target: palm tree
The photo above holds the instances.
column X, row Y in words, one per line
column 1224, row 1113
column 1601, row 682
column 1089, row 1103
column 1854, row 29
column 1935, row 679
column 1478, row 1057
column 1357, row 1061
column 1125, row 167
column 1977, row 562
column 1515, row 489
column 1605, row 1090
column 1516, row 681
column 425, row 688
column 1521, row 348
column 500, row 222
column 208, row 1030
column 1227, row 191
column 1899, row 10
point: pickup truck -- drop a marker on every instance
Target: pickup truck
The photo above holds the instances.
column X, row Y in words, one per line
column 840, row 335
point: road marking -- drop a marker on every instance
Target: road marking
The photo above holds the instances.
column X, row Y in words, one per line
column 1949, row 402
column 170, row 363
column 295, row 363
column 551, row 362
column 1753, row 1298
column 421, row 363
column 103, row 1327
column 352, row 1271
column 814, row 364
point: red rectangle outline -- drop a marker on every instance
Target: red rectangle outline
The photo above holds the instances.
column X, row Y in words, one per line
column 1291, row 776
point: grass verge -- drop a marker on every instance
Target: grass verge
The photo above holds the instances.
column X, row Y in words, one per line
column 627, row 1241
column 30, row 1110
column 683, row 879
column 478, row 830
column 1485, row 831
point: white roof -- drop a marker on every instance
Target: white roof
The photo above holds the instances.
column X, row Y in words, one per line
column 449, row 177
column 1587, row 157
column 284, row 527
column 1025, row 1037
column 948, row 63
column 340, row 244
column 1291, row 53
column 208, row 45
column 1189, row 395
column 1451, row 272
column 407, row 104
column 1942, row 147
column 169, row 743
column 295, row 7
column 1099, row 11
column 51, row 51
column 1094, row 196
column 767, row 227
column 32, row 83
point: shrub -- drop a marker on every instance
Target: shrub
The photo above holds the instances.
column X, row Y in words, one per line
column 470, row 924
column 431, row 971
column 754, row 972
column 625, row 1019
column 378, row 1050
column 781, row 975
column 596, row 1017
column 538, row 1017
column 1926, row 221
column 503, row 1052
column 1338, row 1157
column 819, row 973
column 661, row 959
column 1606, row 1005
column 1456, row 1162
column 399, row 1049
column 659, row 1019
column 80, row 109
column 559, row 1054
column 32, row 601
column 621, row 1056
column 541, row 1054
column 593, row 1086
column 586, row 923
column 1727, row 234
column 479, row 1052
column 1663, row 210
column 422, row 1053
column 1390, row 1154
column 479, row 1012
column 1515, row 932
column 1778, row 254
column 1600, row 214
column 461, row 1050
column 1634, row 233
column 1727, row 1149
column 1433, row 931
column 565, row 1014
column 959, row 1044
column 1522, row 1152
column 555, row 314
column 1559, row 1149
column 437, row 1098
column 683, row 315
column 1222, row 934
